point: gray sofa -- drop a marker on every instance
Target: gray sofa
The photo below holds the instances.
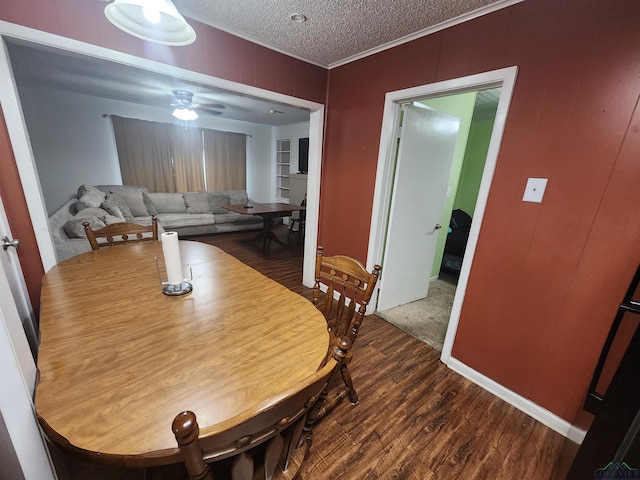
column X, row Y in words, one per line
column 191, row 213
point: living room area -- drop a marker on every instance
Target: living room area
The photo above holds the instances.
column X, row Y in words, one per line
column 70, row 104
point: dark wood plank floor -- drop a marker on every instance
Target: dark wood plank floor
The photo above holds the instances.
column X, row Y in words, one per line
column 416, row 418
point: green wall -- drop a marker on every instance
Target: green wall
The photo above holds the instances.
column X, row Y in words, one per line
column 461, row 106
column 473, row 166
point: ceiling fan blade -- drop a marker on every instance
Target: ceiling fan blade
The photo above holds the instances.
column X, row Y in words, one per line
column 208, row 110
column 209, row 105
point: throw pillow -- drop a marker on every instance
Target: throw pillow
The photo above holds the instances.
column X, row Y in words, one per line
column 151, row 207
column 168, row 202
column 74, row 228
column 216, row 202
column 122, row 206
column 134, row 201
column 90, row 197
column 197, row 202
column 84, row 188
column 112, row 208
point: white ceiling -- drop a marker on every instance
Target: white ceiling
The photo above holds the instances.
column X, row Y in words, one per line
column 336, row 31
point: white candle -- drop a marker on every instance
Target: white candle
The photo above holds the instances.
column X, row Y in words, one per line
column 172, row 261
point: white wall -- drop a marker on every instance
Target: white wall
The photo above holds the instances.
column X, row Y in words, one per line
column 73, row 144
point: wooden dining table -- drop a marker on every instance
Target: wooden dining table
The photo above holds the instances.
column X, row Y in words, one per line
column 118, row 359
column 268, row 212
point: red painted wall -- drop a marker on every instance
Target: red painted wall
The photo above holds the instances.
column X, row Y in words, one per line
column 215, row 53
column 547, row 278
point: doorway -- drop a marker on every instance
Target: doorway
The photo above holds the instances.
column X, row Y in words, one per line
column 385, row 179
column 450, row 204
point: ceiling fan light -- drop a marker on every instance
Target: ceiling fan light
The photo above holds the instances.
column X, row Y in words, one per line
column 153, row 20
column 184, row 114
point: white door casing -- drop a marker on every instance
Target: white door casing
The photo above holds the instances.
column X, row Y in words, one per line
column 423, row 167
column 504, row 78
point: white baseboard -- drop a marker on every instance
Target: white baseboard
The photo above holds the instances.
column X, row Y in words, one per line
column 535, row 411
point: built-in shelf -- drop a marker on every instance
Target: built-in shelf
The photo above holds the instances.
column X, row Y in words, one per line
column 283, row 167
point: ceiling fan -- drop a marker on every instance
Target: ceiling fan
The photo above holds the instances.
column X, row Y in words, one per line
column 185, row 109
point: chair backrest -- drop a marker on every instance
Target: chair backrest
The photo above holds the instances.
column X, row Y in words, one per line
column 121, row 232
column 302, row 215
column 269, row 434
column 348, row 280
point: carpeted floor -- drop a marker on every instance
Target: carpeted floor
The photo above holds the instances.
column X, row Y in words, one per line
column 426, row 319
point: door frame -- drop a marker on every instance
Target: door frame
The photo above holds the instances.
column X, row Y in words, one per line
column 25, row 160
column 504, row 78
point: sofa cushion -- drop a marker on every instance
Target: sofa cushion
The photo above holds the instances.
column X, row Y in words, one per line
column 75, row 229
column 122, row 188
column 151, row 207
column 168, row 202
column 197, row 202
column 97, row 218
column 134, row 201
column 121, row 204
column 236, row 197
column 216, row 202
column 59, row 218
column 112, row 208
column 177, row 220
column 89, row 197
column 231, row 217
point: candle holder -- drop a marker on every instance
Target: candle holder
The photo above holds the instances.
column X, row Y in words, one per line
column 175, row 285
column 174, row 289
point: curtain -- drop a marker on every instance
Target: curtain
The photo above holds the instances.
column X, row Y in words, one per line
column 188, row 162
column 225, row 160
column 144, row 152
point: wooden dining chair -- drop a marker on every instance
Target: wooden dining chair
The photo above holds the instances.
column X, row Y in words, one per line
column 266, row 443
column 348, row 291
column 121, row 232
column 301, row 220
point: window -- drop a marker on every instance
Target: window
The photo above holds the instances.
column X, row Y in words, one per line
column 283, row 165
column 168, row 158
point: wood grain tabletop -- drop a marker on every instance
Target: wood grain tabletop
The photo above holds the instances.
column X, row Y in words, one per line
column 119, row 359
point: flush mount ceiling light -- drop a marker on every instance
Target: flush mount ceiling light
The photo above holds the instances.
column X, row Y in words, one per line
column 185, row 114
column 298, row 18
column 154, row 20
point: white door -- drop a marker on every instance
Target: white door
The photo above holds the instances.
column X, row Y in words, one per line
column 20, row 436
column 423, row 166
column 18, row 287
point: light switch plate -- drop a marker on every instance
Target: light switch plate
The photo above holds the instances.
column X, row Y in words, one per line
column 534, row 191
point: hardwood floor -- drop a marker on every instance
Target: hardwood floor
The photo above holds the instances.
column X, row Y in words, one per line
column 416, row 420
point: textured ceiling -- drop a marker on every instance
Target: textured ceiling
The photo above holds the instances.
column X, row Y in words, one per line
column 335, row 30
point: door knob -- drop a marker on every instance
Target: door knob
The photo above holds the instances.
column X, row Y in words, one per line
column 6, row 243
column 438, row 226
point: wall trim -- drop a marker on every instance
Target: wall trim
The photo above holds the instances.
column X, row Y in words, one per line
column 532, row 409
column 428, row 31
